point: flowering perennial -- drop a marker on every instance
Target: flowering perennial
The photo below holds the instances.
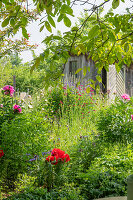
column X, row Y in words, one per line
column 8, row 90
column 125, row 96
column 17, row 108
column 1, row 153
column 57, row 155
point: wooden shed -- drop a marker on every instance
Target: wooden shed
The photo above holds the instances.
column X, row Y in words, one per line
column 113, row 82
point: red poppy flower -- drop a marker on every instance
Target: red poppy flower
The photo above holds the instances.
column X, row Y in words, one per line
column 1, row 153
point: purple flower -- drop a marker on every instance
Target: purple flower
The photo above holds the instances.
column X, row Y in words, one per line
column 132, row 117
column 35, row 158
column 9, row 90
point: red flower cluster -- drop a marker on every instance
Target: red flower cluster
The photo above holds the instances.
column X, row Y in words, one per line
column 1, row 153
column 57, row 155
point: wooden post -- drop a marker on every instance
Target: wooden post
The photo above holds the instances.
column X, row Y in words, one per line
column 130, row 187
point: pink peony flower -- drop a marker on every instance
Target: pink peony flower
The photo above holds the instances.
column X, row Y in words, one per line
column 9, row 90
column 1, row 105
column 125, row 96
column 17, row 108
column 132, row 117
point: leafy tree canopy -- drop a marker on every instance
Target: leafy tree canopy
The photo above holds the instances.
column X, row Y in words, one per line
column 109, row 39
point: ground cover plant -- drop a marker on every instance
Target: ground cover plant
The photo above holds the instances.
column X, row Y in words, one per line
column 65, row 147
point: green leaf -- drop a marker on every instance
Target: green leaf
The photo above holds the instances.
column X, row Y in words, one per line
column 78, row 70
column 5, row 22
column 51, row 21
column 111, row 36
column 75, row 28
column 93, row 32
column 42, row 27
column 66, row 9
column 60, row 17
column 117, row 67
column 88, row 89
column 24, row 32
column 115, row 4
column 98, row 77
column 67, row 21
column 84, row 70
column 48, row 27
column 12, row 22
column 123, row 1
column 37, row 62
column 126, row 47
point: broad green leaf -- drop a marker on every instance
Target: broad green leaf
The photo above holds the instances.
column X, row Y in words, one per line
column 42, row 27
column 75, row 28
column 84, row 70
column 126, row 47
column 56, row 37
column 60, row 17
column 67, row 21
column 5, row 22
column 24, row 21
column 37, row 62
column 93, row 32
column 51, row 21
column 24, row 32
column 115, row 4
column 111, row 36
column 123, row 1
column 66, row 9
column 12, row 22
column 48, row 27
column 98, row 77
column 68, row 2
column 78, row 70
column 88, row 89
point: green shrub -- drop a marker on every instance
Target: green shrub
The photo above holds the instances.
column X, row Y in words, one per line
column 24, row 138
column 115, row 123
column 67, row 193
column 107, row 176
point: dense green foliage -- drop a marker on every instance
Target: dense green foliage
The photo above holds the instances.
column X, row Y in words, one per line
column 98, row 167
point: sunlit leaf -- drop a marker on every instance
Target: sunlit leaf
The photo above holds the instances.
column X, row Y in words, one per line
column 67, row 21
column 5, row 22
column 88, row 89
column 42, row 27
column 98, row 77
column 93, row 32
column 126, row 47
column 48, row 27
column 24, row 32
column 60, row 17
column 115, row 4
column 51, row 21
column 78, row 70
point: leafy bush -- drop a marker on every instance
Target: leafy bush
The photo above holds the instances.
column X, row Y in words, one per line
column 67, row 193
column 25, row 137
column 115, row 123
column 107, row 176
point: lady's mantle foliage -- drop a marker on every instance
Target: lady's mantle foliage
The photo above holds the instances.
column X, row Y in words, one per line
column 58, row 155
